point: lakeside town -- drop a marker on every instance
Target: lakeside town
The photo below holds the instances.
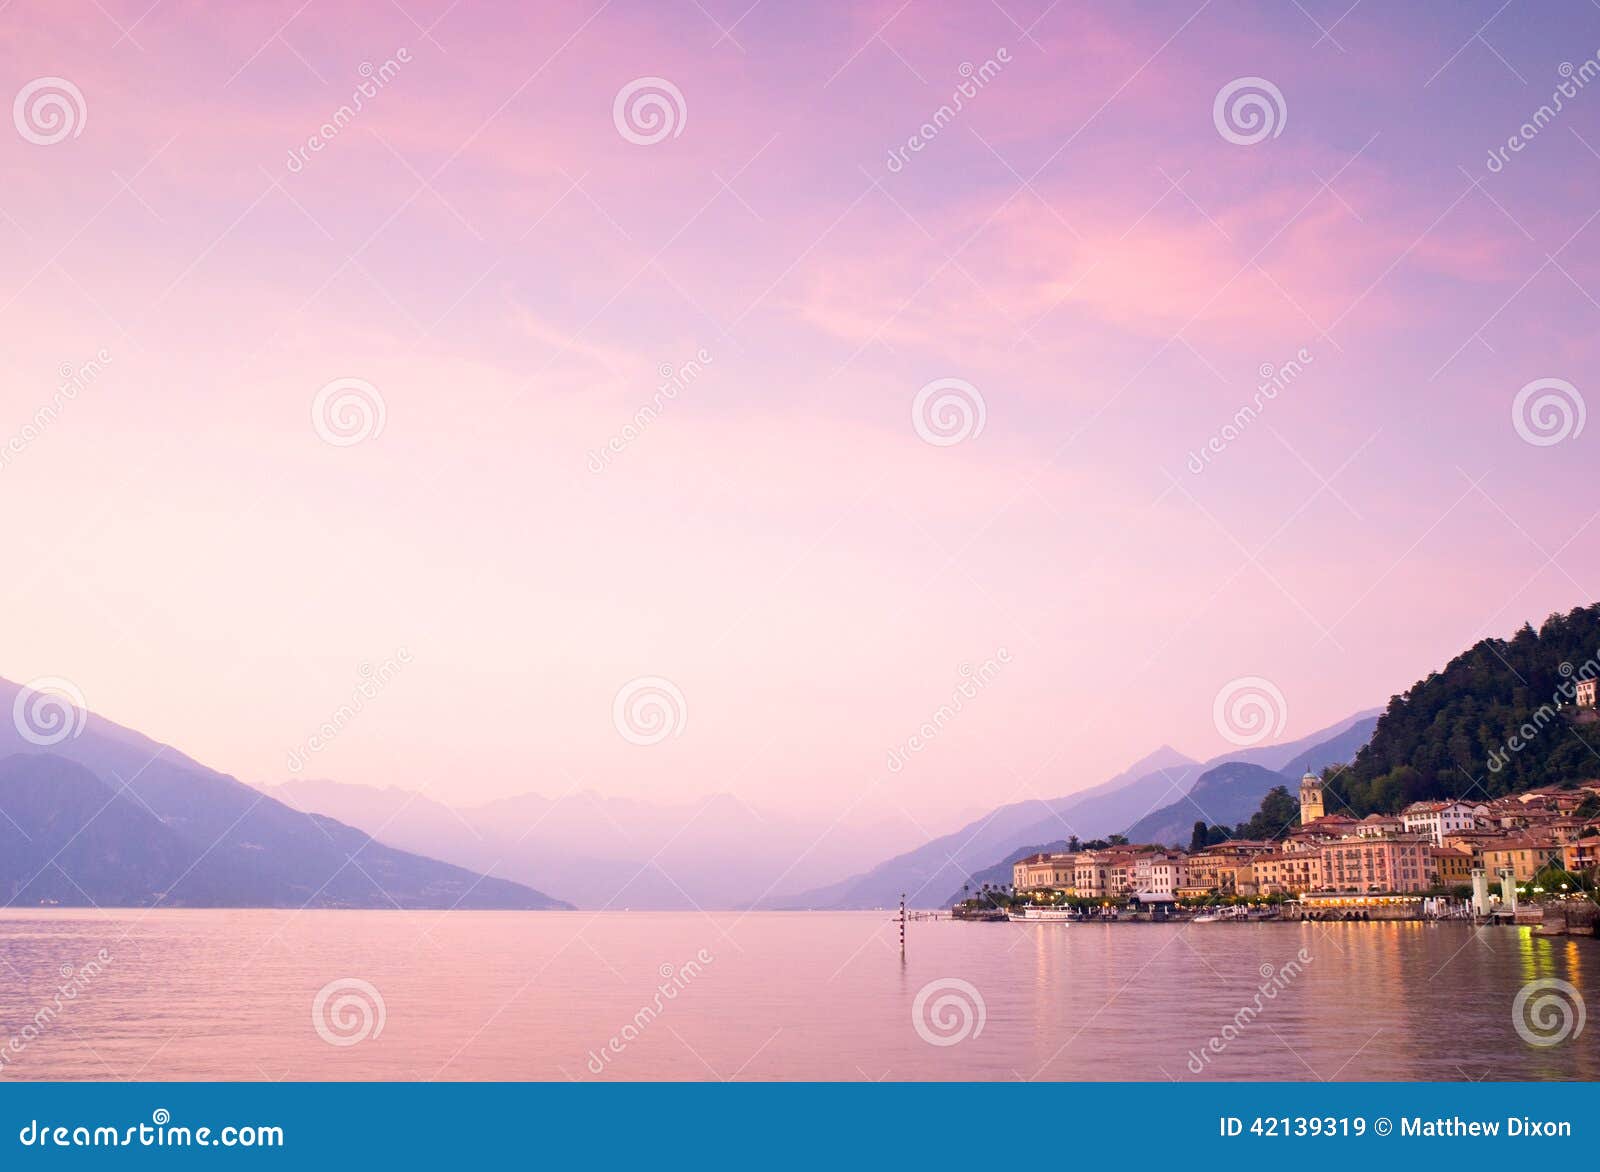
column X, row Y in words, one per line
column 1527, row 858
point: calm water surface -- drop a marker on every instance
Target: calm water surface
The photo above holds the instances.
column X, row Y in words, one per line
column 470, row 995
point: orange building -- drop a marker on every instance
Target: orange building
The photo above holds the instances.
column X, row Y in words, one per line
column 1042, row 871
column 1295, row 869
column 1581, row 855
column 1523, row 856
column 1377, row 864
column 1452, row 866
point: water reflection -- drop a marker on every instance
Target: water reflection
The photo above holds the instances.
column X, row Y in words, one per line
column 214, row 995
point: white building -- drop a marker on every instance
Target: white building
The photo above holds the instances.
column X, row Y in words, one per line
column 1159, row 873
column 1438, row 819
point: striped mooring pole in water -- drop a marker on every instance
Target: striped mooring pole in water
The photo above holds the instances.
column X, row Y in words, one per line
column 902, row 925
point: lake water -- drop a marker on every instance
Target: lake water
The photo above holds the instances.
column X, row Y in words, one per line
column 469, row 995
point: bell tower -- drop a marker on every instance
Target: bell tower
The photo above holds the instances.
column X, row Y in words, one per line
column 1310, row 798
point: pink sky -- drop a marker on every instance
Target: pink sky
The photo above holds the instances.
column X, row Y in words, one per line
column 1080, row 243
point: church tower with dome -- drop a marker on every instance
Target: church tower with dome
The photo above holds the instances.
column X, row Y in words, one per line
column 1310, row 798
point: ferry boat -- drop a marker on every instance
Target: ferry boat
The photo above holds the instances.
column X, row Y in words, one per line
column 1037, row 915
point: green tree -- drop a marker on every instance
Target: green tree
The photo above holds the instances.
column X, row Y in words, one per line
column 1279, row 813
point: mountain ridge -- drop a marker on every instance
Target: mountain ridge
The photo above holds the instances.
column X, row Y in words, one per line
column 946, row 862
column 239, row 847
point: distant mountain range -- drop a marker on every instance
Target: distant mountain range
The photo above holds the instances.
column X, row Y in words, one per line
column 1153, row 792
column 108, row 817
column 716, row 852
column 1222, row 796
column 1231, row 792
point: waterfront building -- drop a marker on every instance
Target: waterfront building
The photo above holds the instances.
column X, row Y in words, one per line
column 1160, row 873
column 1452, row 866
column 1294, row 869
column 1216, row 869
column 1586, row 693
column 1091, row 874
column 1042, row 871
column 1240, row 879
column 1376, row 865
column 1523, row 857
column 1475, row 841
column 1122, row 868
